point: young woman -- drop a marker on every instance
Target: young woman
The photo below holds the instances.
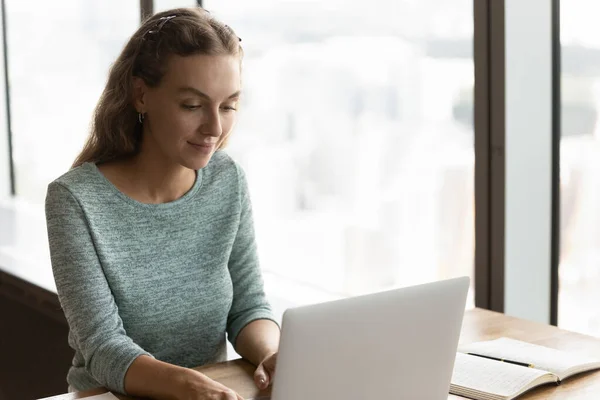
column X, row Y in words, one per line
column 151, row 233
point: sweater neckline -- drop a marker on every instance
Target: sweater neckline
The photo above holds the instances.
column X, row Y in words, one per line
column 107, row 183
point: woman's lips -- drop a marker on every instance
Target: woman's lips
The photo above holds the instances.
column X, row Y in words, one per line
column 203, row 147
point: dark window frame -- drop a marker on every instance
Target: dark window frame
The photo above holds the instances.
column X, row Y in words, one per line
column 490, row 163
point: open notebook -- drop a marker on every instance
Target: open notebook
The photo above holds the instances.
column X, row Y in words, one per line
column 105, row 396
column 490, row 379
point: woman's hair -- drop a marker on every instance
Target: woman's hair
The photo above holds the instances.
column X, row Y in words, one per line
column 115, row 129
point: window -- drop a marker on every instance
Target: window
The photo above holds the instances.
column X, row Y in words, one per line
column 162, row 5
column 579, row 269
column 356, row 135
column 59, row 54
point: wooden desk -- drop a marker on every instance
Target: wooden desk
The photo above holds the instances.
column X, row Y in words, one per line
column 478, row 325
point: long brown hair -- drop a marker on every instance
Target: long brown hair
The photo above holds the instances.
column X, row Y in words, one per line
column 115, row 130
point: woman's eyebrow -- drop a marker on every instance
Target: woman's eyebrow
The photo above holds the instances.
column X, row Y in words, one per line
column 204, row 95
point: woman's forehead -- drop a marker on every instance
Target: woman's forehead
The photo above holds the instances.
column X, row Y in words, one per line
column 206, row 73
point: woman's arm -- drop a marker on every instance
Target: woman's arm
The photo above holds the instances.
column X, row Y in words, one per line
column 258, row 340
column 84, row 293
column 251, row 325
column 249, row 300
column 151, row 378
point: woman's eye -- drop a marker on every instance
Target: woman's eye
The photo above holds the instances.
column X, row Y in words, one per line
column 229, row 108
column 190, row 106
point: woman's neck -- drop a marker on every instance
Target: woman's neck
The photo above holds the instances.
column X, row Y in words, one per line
column 159, row 180
column 149, row 177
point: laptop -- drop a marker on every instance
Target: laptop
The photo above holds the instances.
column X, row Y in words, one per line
column 398, row 344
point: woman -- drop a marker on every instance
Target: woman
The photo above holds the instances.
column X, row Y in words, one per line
column 151, row 233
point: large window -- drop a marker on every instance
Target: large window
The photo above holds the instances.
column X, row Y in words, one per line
column 580, row 168
column 59, row 55
column 161, row 5
column 356, row 135
column 355, row 130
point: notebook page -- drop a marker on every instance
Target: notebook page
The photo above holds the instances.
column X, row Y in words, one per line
column 105, row 396
column 503, row 380
column 544, row 358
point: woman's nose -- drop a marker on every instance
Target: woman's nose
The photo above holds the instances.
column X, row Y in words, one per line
column 212, row 125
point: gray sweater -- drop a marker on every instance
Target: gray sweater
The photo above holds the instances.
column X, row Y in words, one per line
column 166, row 280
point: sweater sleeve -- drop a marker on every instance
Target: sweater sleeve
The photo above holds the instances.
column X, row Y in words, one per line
column 249, row 300
column 84, row 293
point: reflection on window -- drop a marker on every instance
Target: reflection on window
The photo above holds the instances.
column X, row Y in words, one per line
column 357, row 138
column 579, row 269
column 59, row 54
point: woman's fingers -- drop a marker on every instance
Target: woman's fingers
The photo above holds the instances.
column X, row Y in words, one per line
column 270, row 366
column 261, row 377
column 230, row 394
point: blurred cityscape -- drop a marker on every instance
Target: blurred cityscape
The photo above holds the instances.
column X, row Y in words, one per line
column 580, row 168
column 355, row 131
column 362, row 178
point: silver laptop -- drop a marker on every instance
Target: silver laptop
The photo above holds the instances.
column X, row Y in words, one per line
column 399, row 344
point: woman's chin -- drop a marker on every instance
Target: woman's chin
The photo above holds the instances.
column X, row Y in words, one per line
column 197, row 162
column 197, row 156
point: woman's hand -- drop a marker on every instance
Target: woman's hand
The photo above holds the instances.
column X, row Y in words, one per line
column 193, row 385
column 265, row 372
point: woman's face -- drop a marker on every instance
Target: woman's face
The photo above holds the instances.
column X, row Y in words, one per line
column 193, row 109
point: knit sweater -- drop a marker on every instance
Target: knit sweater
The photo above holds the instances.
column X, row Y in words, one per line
column 169, row 280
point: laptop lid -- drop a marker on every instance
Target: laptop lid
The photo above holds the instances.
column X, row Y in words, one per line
column 399, row 344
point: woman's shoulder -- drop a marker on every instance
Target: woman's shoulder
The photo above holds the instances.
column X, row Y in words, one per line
column 222, row 167
column 222, row 160
column 77, row 180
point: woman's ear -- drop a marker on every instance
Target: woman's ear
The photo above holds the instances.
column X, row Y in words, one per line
column 140, row 91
